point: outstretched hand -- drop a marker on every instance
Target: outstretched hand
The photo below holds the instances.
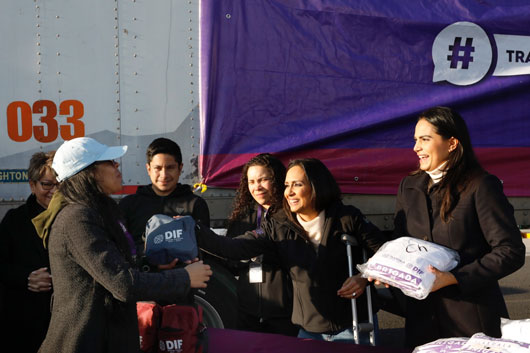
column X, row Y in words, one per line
column 199, row 274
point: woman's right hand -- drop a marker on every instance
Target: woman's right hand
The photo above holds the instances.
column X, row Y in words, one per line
column 199, row 274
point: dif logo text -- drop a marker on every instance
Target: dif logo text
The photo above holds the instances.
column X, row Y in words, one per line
column 168, row 236
column 462, row 54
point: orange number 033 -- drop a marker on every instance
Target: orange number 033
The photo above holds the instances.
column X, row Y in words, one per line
column 20, row 126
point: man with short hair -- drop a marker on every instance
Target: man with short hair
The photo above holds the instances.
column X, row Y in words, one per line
column 165, row 195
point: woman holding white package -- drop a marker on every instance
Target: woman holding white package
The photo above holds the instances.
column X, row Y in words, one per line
column 306, row 242
column 450, row 200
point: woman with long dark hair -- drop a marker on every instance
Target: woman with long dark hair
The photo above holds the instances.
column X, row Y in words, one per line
column 452, row 201
column 307, row 244
column 96, row 284
column 264, row 291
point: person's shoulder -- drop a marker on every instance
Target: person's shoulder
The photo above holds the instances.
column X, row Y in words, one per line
column 184, row 192
column 485, row 181
column 141, row 192
column 13, row 214
column 414, row 180
column 345, row 213
column 73, row 212
column 279, row 215
column 16, row 213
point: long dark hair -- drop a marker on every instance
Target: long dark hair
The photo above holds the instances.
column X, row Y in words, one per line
column 82, row 188
column 244, row 202
column 324, row 188
column 462, row 165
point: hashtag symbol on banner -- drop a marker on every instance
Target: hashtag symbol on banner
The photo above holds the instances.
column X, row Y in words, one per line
column 457, row 49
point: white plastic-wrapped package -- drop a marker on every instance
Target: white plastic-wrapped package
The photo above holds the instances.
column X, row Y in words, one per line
column 518, row 330
column 403, row 263
column 481, row 343
column 442, row 345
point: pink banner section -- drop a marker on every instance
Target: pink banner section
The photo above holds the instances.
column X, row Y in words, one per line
column 233, row 341
column 378, row 170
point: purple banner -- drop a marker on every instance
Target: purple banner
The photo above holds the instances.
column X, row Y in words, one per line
column 343, row 80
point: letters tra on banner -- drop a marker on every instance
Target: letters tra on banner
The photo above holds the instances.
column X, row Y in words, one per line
column 345, row 81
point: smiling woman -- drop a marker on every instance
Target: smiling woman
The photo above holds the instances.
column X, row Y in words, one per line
column 305, row 240
column 452, row 201
column 24, row 264
column 264, row 291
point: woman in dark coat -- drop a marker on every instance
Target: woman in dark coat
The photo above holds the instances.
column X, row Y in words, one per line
column 450, row 200
column 24, row 265
column 96, row 285
column 265, row 292
column 306, row 241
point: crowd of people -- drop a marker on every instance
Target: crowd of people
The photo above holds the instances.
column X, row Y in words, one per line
column 72, row 256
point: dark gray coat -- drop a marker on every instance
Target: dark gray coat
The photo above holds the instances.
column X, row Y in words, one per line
column 96, row 289
column 484, row 232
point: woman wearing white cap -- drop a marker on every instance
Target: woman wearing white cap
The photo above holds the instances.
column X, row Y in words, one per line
column 96, row 285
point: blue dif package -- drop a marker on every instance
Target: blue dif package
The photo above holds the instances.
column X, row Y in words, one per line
column 167, row 238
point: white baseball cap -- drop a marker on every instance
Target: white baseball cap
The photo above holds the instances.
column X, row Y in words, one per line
column 75, row 155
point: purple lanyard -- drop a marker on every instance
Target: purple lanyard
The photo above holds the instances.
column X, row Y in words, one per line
column 129, row 239
column 258, row 220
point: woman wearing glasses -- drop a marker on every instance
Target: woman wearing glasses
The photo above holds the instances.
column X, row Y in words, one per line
column 24, row 263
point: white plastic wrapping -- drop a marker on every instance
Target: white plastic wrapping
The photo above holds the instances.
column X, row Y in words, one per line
column 403, row 263
column 518, row 330
column 442, row 345
column 480, row 343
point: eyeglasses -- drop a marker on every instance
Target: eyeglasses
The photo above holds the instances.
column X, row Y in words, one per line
column 46, row 185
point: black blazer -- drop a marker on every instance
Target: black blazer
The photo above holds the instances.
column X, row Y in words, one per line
column 483, row 230
column 21, row 252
